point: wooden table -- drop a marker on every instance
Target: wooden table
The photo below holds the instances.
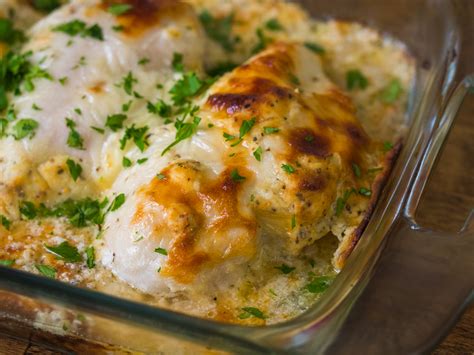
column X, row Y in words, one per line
column 448, row 199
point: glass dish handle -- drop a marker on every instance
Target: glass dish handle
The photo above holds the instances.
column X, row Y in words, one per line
column 424, row 279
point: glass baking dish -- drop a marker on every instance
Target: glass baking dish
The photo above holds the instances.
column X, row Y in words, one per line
column 402, row 286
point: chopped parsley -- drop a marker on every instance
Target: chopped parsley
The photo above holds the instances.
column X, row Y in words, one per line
column 46, row 5
column 126, row 163
column 177, row 62
column 235, row 176
column 128, row 82
column 258, row 153
column 65, row 251
column 74, row 139
column 188, row 86
column 137, row 135
column 285, row 268
column 78, row 27
column 143, row 61
column 8, row 34
column 288, row 168
column 160, row 176
column 270, row 130
column 262, row 41
column 293, row 222
column 46, row 270
column 365, row 192
column 392, row 92
column 17, row 73
column 63, row 80
column 98, row 129
column 28, row 210
column 7, row 263
column 316, row 48
column 252, row 312
column 184, row 130
column 115, row 122
column 161, row 251
column 228, row 137
column 245, row 127
column 75, row 169
column 294, row 79
column 90, row 257
column 342, row 201
column 126, row 106
column 142, row 161
column 36, row 107
column 5, row 222
column 356, row 80
column 160, row 108
column 274, row 25
column 219, row 29
column 356, row 170
column 387, row 146
column 80, row 213
column 25, row 128
column 319, row 284
column 117, row 202
column 119, row 9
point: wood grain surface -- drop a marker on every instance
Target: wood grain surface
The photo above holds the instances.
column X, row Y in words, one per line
column 448, row 199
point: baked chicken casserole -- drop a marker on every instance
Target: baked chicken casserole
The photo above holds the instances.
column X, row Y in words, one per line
column 218, row 158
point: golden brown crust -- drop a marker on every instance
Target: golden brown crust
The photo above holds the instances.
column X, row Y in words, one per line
column 145, row 14
column 194, row 234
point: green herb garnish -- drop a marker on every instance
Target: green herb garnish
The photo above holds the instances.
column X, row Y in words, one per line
column 219, row 29
column 119, row 9
column 78, row 27
column 115, row 122
column 234, row 174
column 126, row 163
column 184, row 130
column 274, row 25
column 65, row 251
column 46, row 270
column 252, row 312
column 316, row 48
column 137, row 135
column 270, row 130
column 258, row 153
column 117, row 202
column 25, row 128
column 74, row 139
column 319, row 284
column 356, row 80
column 161, row 251
column 5, row 222
column 392, row 92
column 288, row 168
column 75, row 169
column 285, row 268
column 90, row 257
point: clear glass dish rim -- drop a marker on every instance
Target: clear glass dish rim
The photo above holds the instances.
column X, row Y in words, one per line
column 351, row 279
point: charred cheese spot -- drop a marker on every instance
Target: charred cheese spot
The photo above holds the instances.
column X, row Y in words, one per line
column 202, row 216
column 305, row 141
column 247, row 95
